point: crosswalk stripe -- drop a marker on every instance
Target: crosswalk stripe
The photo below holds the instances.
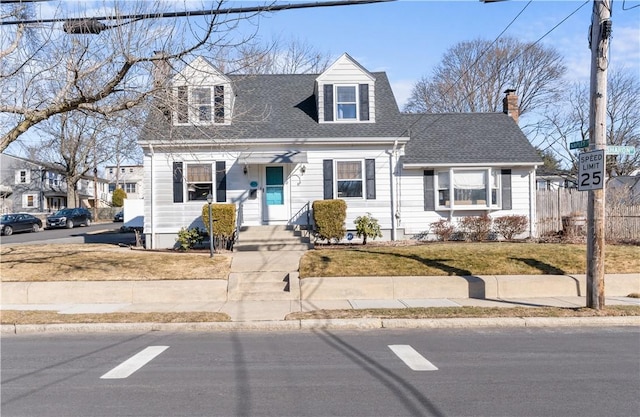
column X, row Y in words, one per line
column 412, row 359
column 134, row 363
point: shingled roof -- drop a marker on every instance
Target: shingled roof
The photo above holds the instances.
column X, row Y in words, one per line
column 282, row 107
column 269, row 107
column 466, row 138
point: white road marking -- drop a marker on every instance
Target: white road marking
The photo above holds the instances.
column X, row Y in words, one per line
column 413, row 359
column 134, row 363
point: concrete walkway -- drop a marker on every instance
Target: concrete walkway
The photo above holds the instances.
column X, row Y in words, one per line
column 262, row 310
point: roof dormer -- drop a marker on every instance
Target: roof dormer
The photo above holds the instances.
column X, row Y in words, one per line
column 345, row 93
column 202, row 95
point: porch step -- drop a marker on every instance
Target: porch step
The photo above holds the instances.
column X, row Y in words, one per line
column 270, row 238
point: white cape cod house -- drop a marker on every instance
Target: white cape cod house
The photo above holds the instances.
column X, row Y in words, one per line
column 273, row 144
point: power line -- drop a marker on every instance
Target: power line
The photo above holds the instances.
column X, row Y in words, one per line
column 508, row 63
column 232, row 10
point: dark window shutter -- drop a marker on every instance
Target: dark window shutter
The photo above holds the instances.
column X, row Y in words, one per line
column 370, row 173
column 178, row 194
column 221, row 181
column 429, row 193
column 506, row 189
column 364, row 101
column 183, row 105
column 328, row 102
column 327, row 173
column 218, row 103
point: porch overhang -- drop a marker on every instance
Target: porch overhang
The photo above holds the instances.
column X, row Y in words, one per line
column 284, row 157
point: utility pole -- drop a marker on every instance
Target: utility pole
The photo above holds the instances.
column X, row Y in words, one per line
column 599, row 44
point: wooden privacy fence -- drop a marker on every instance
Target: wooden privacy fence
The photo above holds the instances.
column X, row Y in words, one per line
column 562, row 208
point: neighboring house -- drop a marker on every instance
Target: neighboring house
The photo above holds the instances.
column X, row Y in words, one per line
column 128, row 177
column 273, row 144
column 35, row 187
column 554, row 179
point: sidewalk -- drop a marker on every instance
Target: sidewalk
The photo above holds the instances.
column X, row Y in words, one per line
column 277, row 310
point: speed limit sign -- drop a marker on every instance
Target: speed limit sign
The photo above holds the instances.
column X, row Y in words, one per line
column 591, row 170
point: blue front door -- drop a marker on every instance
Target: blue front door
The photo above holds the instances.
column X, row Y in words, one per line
column 274, row 207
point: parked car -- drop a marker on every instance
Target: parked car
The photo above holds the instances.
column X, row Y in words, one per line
column 119, row 217
column 19, row 222
column 69, row 218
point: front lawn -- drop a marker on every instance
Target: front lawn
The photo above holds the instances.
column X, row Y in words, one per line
column 461, row 258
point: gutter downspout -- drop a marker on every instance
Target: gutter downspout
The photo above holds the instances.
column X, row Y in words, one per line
column 532, row 203
column 152, row 195
column 394, row 210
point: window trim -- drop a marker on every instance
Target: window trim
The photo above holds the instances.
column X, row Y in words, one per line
column 356, row 102
column 363, row 191
column 492, row 182
column 188, row 109
column 187, row 183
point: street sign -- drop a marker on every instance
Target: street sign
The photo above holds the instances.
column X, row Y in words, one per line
column 591, row 166
column 580, row 144
column 621, row 150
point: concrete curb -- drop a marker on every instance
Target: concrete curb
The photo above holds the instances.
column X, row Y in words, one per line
column 322, row 324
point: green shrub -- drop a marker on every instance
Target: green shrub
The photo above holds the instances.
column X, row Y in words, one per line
column 367, row 227
column 509, row 226
column 117, row 199
column 443, row 229
column 329, row 217
column 476, row 228
column 224, row 223
column 188, row 238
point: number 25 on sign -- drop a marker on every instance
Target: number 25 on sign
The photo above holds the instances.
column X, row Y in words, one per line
column 591, row 170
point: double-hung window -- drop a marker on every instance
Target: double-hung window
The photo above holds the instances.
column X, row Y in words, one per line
column 199, row 181
column 202, row 103
column 349, row 179
column 346, row 102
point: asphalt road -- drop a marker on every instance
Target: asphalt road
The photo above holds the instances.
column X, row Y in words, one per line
column 485, row 372
column 107, row 232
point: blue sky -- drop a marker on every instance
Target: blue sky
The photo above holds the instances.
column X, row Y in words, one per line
column 407, row 38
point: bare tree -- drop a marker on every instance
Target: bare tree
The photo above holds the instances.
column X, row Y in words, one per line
column 72, row 145
column 52, row 73
column 280, row 56
column 473, row 75
column 569, row 122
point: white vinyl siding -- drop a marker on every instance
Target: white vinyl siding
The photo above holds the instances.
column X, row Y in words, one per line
column 414, row 220
column 344, row 72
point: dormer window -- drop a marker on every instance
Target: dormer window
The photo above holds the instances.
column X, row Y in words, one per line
column 202, row 102
column 346, row 105
column 195, row 105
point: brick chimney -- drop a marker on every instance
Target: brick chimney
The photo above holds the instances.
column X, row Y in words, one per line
column 161, row 73
column 510, row 104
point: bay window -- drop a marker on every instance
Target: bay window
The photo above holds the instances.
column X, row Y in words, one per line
column 468, row 188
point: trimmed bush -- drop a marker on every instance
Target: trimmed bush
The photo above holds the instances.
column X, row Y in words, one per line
column 224, row 223
column 509, row 226
column 117, row 199
column 443, row 229
column 476, row 228
column 329, row 217
column 367, row 226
